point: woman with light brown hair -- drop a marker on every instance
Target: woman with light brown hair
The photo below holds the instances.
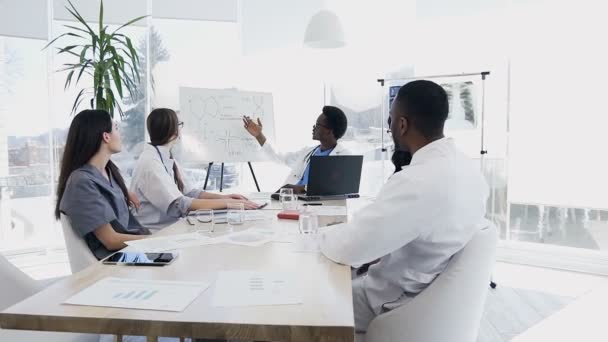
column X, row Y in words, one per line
column 159, row 182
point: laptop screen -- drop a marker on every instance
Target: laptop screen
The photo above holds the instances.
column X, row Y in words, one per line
column 334, row 175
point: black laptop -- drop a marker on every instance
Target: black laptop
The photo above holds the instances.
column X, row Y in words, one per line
column 333, row 177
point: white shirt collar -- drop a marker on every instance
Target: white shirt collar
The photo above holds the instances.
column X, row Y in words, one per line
column 428, row 149
column 165, row 152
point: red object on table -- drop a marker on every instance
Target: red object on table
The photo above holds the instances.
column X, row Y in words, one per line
column 289, row 215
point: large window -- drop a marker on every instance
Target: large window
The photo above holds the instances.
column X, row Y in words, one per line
column 558, row 118
column 25, row 163
column 544, row 113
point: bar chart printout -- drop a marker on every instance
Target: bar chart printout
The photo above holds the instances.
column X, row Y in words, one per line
column 139, row 294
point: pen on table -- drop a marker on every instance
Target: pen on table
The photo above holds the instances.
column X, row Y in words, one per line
column 313, row 204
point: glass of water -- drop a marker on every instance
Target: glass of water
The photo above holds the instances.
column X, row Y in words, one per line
column 206, row 221
column 308, row 222
column 288, row 200
column 235, row 214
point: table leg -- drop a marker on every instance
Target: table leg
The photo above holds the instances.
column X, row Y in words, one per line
column 152, row 339
column 118, row 338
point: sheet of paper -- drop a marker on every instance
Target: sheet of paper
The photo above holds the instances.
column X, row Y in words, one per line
column 170, row 242
column 306, row 244
column 246, row 288
column 140, row 294
column 276, row 235
column 258, row 215
column 279, row 235
column 328, row 210
column 249, row 237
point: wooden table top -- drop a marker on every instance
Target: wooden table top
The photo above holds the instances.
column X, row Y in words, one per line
column 326, row 313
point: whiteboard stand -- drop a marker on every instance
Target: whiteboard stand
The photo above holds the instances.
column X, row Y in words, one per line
column 222, row 176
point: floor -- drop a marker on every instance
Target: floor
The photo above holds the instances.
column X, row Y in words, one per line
column 529, row 303
column 539, row 304
column 511, row 311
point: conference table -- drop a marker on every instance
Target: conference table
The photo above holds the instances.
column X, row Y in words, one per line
column 325, row 314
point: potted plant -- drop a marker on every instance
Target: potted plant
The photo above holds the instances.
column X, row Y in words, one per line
column 108, row 57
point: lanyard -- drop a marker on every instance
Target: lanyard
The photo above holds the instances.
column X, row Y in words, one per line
column 161, row 160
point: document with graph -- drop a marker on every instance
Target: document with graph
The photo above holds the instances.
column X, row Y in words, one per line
column 140, row 294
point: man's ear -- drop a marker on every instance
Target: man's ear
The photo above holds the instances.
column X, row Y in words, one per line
column 403, row 125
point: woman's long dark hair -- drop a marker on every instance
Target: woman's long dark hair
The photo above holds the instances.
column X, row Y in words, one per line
column 163, row 125
column 84, row 140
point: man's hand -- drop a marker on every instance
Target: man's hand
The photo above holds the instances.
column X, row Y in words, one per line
column 255, row 129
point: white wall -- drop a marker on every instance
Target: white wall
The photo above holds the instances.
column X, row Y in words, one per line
column 24, row 18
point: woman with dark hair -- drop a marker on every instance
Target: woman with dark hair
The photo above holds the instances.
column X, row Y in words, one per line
column 91, row 191
column 165, row 193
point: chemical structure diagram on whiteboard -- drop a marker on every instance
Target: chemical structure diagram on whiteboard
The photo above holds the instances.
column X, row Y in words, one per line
column 213, row 126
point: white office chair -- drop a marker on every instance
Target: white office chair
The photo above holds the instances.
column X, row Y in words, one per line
column 17, row 286
column 78, row 252
column 450, row 308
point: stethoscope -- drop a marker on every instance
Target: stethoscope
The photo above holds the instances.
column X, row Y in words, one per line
column 309, row 155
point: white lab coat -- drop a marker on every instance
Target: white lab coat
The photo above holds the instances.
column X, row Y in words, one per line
column 298, row 160
column 154, row 185
column 422, row 216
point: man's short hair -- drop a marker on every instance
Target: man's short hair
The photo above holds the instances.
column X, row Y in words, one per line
column 336, row 120
column 426, row 105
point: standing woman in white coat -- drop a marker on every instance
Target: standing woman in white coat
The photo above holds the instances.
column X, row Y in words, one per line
column 160, row 184
column 330, row 127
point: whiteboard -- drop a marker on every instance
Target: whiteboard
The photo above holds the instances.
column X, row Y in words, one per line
column 213, row 127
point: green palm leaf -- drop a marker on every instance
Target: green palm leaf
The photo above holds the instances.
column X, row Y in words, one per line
column 110, row 59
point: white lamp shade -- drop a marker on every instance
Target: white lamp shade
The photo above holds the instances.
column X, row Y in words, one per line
column 324, row 31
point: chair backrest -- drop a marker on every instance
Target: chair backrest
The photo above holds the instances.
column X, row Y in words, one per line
column 15, row 285
column 78, row 252
column 450, row 309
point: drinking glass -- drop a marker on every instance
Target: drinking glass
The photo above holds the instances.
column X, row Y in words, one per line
column 206, row 220
column 288, row 200
column 308, row 222
column 235, row 215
